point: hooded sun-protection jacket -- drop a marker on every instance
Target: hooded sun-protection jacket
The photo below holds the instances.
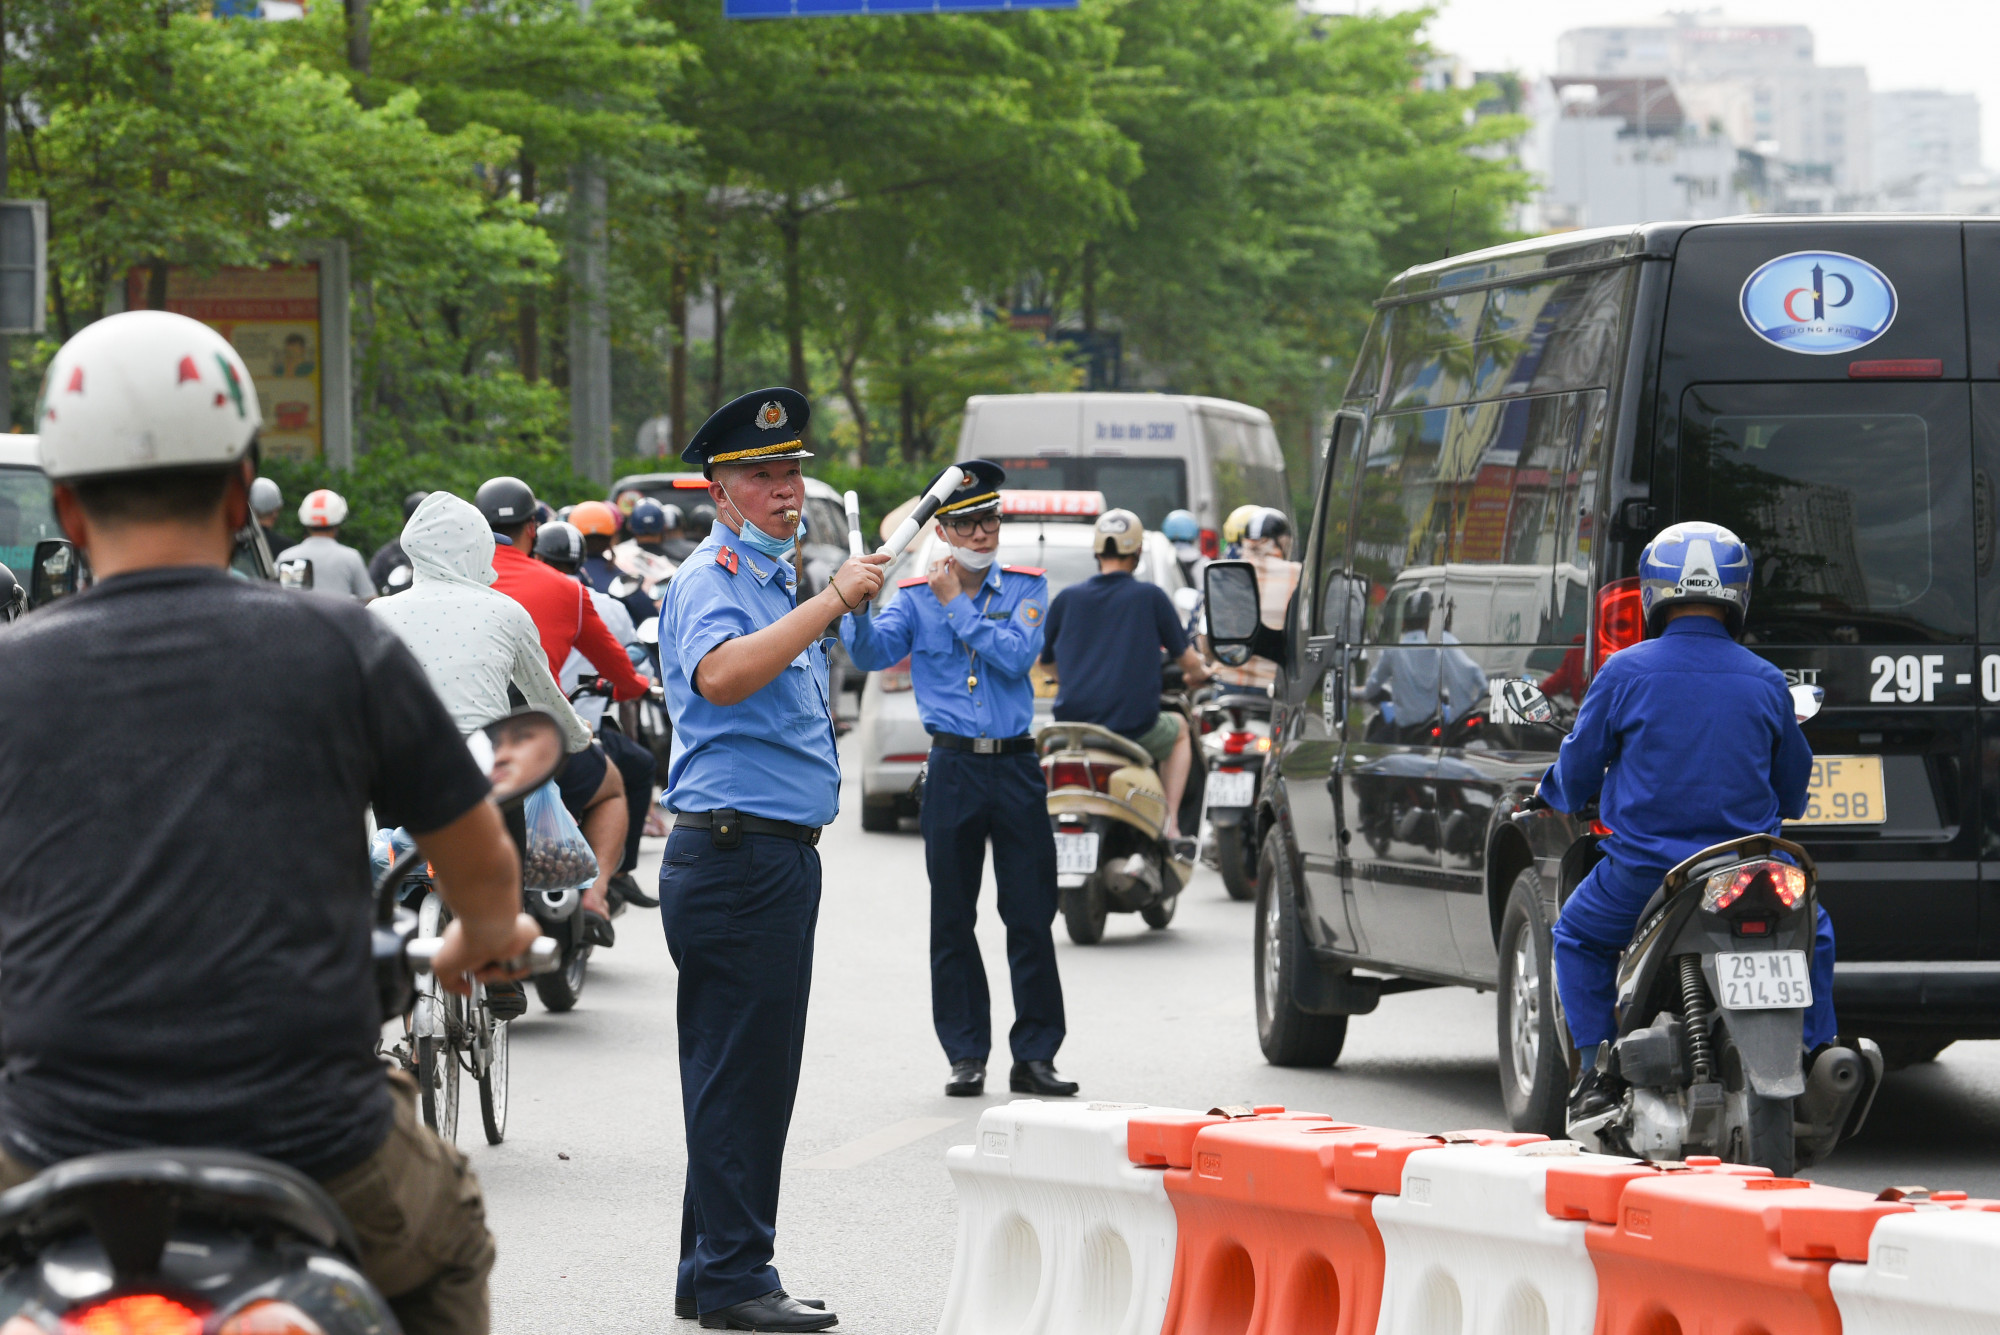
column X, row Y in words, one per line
column 472, row 640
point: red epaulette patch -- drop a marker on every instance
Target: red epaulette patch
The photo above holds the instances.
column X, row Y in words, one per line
column 912, row 583
column 1024, row 570
column 726, row 558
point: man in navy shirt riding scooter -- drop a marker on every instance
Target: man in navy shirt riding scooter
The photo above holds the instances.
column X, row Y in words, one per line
column 1686, row 740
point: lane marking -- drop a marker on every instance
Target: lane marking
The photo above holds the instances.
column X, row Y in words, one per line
column 876, row 1143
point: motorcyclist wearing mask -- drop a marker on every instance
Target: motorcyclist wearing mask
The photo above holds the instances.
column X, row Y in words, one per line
column 1266, row 544
column 1183, row 530
column 971, row 629
column 643, row 556
column 184, row 936
column 1691, row 740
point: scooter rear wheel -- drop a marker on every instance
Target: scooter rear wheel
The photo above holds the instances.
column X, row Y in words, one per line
column 1238, row 859
column 1761, row 1130
column 1084, row 911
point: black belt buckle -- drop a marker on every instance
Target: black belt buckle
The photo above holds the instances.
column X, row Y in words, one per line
column 725, row 827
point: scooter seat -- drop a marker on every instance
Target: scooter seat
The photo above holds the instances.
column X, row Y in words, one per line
column 100, row 1189
column 1075, row 736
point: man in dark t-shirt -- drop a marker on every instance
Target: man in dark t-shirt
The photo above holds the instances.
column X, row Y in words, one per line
column 1104, row 642
column 185, row 774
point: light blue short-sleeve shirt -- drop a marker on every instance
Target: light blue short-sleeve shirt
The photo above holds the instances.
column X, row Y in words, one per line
column 773, row 754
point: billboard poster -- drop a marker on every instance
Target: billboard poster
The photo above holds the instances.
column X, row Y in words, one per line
column 271, row 316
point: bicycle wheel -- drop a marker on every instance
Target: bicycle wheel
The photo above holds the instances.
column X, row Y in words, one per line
column 493, row 1081
column 437, row 1077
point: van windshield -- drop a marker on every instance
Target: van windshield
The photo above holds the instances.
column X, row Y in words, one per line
column 1856, row 501
column 26, row 518
column 1150, row 488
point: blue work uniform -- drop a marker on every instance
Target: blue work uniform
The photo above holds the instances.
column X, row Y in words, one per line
column 1691, row 740
column 969, row 664
column 740, row 920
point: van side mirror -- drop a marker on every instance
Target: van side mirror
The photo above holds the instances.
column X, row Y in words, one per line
column 526, row 749
column 57, row 572
column 1520, row 702
column 1235, row 620
column 296, row 573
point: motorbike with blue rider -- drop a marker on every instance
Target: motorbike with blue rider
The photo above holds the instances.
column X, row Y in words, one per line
column 1693, row 963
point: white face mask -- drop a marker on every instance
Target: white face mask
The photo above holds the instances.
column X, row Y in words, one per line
column 972, row 560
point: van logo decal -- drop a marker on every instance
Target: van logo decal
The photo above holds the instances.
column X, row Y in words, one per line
column 1818, row 302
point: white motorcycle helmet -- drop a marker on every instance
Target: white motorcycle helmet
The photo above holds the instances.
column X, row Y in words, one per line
column 323, row 509
column 144, row 390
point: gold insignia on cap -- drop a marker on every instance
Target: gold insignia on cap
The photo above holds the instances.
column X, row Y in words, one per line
column 771, row 416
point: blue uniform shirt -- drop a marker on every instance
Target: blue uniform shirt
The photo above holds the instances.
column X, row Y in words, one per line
column 1691, row 740
column 1000, row 622
column 771, row 755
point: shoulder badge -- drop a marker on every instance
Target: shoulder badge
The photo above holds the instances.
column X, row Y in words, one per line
column 1036, row 571
column 912, row 582
column 726, row 558
column 1031, row 613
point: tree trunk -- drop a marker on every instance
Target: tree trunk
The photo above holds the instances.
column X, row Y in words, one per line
column 906, row 402
column 530, row 354
column 852, row 393
column 789, row 224
column 716, row 379
column 677, row 318
column 1089, row 287
column 156, row 284
column 357, row 35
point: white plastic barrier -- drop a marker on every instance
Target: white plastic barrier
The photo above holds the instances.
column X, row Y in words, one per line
column 1936, row 1271
column 1469, row 1247
column 1058, row 1233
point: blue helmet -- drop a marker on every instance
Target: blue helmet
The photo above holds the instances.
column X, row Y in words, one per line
column 1180, row 526
column 1693, row 563
column 646, row 519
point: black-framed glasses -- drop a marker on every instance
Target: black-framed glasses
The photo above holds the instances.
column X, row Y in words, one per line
column 965, row 528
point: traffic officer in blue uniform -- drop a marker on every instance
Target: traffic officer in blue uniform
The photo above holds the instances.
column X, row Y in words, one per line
column 754, row 778
column 971, row 630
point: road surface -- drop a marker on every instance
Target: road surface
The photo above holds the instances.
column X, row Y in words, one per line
column 585, row 1194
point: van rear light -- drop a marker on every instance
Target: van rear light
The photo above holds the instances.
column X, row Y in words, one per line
column 134, row 1314
column 1211, row 543
column 1621, row 618
column 1897, row 368
column 896, row 677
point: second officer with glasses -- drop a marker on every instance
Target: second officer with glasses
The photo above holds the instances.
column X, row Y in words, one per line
column 972, row 629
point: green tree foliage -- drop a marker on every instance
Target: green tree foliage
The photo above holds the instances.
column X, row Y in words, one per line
column 869, row 202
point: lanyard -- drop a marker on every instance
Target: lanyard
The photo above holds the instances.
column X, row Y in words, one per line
column 971, row 654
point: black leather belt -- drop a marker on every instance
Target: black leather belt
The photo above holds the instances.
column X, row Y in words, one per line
column 727, row 828
column 983, row 746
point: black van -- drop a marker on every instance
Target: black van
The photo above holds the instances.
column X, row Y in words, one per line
column 1520, row 421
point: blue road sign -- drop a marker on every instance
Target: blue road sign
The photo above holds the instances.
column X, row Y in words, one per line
column 806, row 9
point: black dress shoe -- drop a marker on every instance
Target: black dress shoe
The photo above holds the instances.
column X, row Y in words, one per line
column 776, row 1310
column 685, row 1309
column 1039, row 1078
column 624, row 886
column 597, row 930
column 968, row 1079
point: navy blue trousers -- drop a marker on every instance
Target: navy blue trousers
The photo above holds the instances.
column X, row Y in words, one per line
column 1596, row 925
column 969, row 799
column 740, row 925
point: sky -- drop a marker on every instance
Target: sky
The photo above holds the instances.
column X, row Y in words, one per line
column 1946, row 44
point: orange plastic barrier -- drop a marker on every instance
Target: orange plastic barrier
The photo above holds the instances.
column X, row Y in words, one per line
column 1713, row 1247
column 1275, row 1230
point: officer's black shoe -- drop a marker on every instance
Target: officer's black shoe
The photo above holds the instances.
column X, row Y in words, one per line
column 968, row 1079
column 624, row 887
column 776, row 1310
column 597, row 929
column 1039, row 1077
column 507, row 1001
column 685, row 1309
column 1598, row 1092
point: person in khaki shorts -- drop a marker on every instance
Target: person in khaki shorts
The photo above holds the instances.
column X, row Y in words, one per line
column 185, row 776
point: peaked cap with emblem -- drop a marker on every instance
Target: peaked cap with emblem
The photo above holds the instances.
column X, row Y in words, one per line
column 979, row 495
column 763, row 426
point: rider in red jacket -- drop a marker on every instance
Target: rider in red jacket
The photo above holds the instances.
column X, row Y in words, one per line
column 591, row 786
